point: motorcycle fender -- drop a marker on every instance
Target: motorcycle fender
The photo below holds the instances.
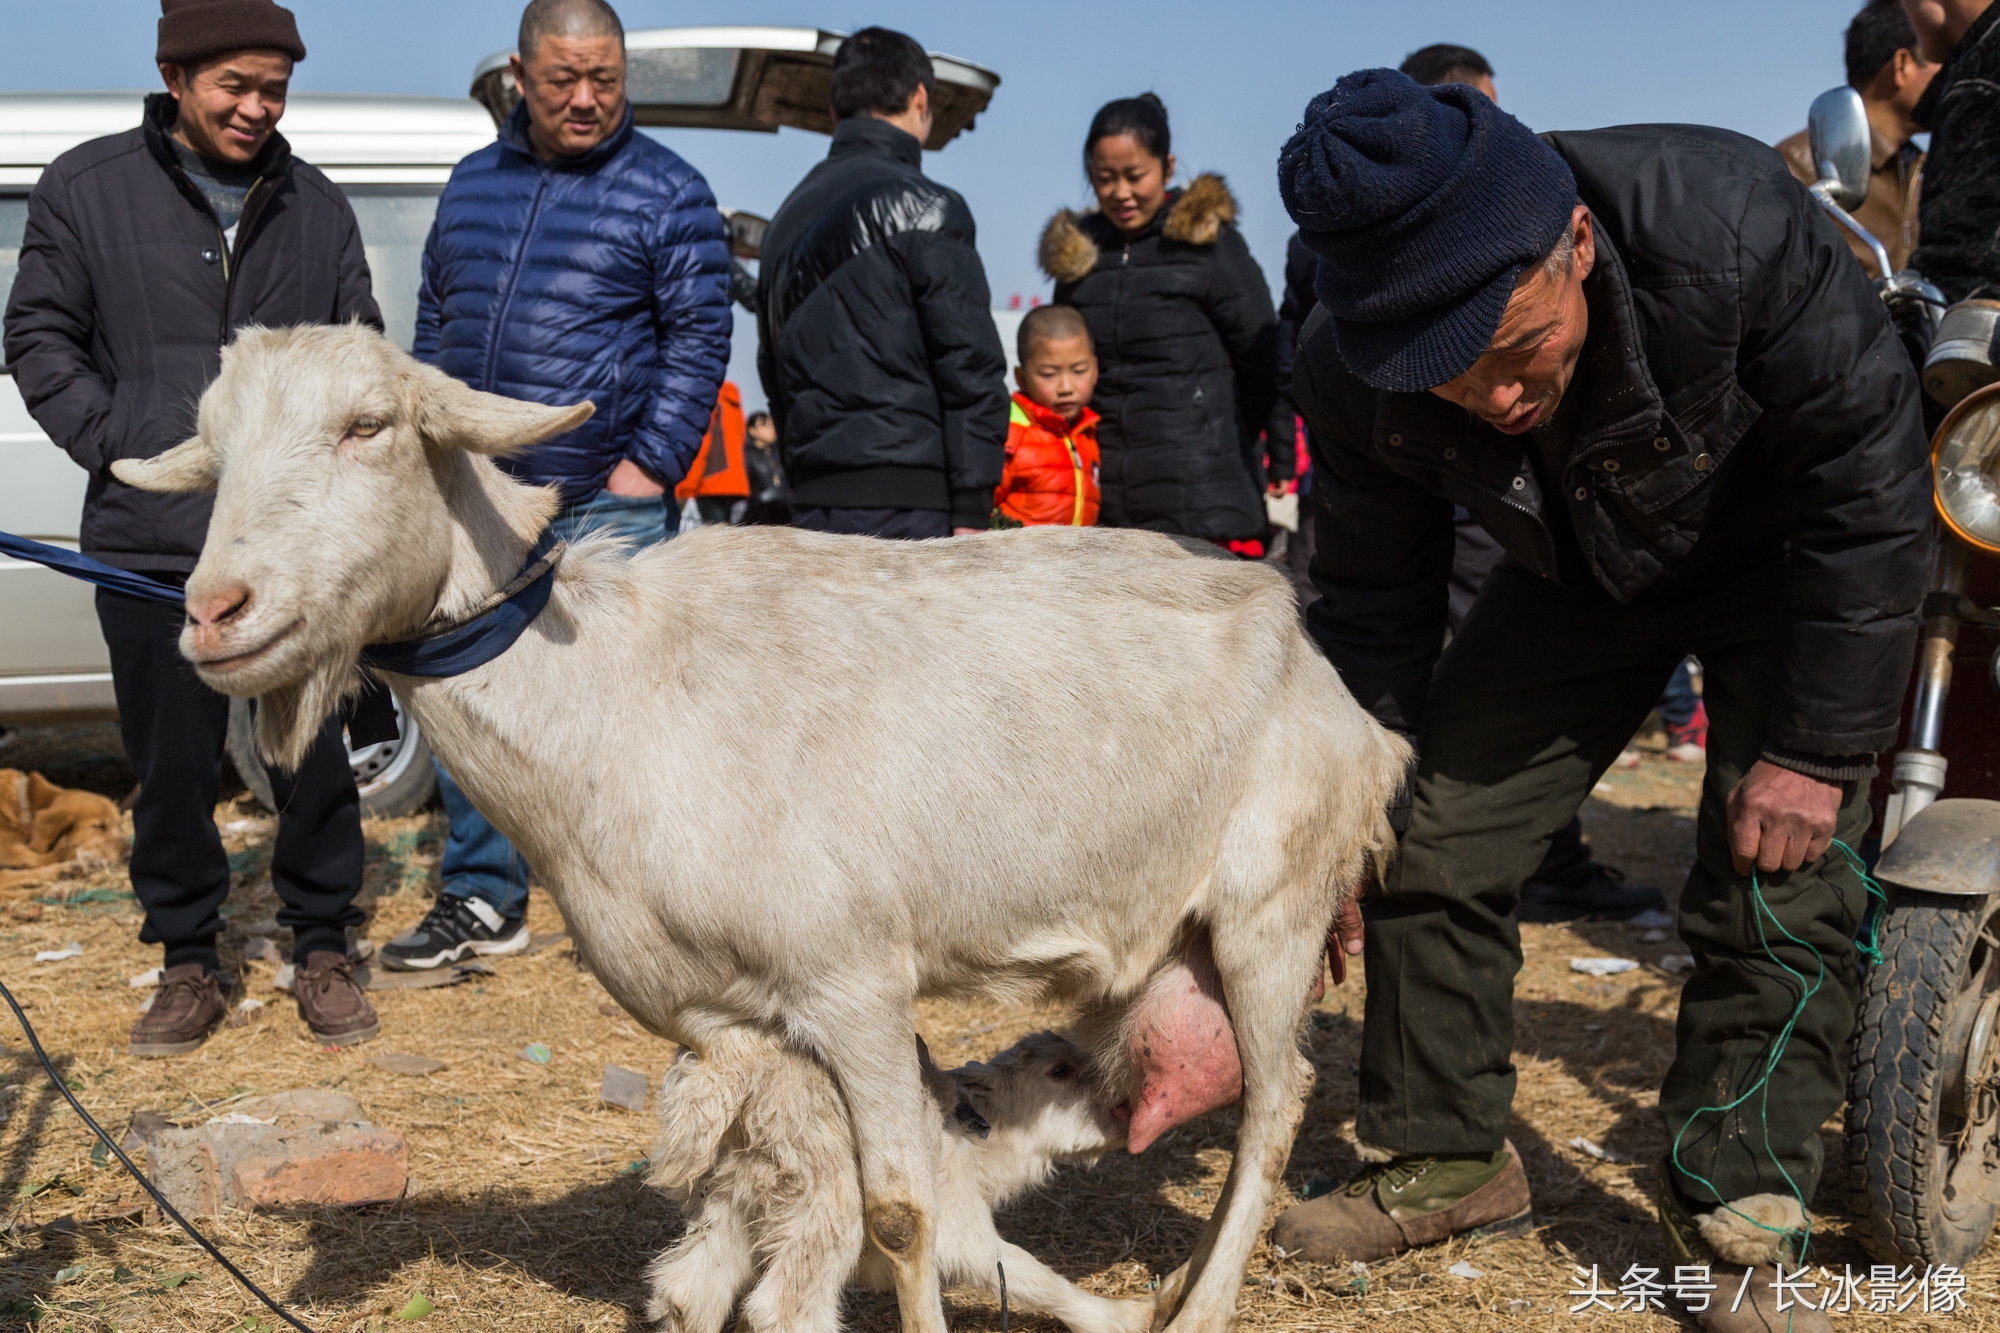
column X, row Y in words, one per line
column 1951, row 847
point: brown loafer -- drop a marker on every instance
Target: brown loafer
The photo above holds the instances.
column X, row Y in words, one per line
column 1395, row 1206
column 1736, row 1308
column 186, row 1008
column 331, row 1002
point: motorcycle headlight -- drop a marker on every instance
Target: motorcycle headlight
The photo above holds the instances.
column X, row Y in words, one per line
column 1965, row 462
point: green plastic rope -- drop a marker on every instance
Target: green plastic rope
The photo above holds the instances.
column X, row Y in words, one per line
column 1871, row 948
column 1870, row 942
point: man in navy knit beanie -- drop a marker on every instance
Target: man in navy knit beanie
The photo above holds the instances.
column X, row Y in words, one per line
column 1645, row 362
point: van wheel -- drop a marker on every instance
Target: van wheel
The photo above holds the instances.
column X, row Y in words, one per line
column 395, row 778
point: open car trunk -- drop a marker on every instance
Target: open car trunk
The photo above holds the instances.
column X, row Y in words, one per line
column 748, row 78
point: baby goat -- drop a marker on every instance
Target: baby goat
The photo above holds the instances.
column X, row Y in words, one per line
column 757, row 1133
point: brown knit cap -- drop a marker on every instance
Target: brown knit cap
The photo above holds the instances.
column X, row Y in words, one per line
column 193, row 30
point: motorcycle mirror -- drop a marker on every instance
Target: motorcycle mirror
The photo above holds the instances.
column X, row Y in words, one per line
column 1837, row 130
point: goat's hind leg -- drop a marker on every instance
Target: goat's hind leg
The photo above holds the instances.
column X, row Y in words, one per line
column 1267, row 964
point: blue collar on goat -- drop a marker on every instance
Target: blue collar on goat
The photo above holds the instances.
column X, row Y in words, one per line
column 451, row 648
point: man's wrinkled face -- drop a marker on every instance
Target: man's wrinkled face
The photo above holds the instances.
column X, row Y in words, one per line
column 1517, row 382
column 575, row 91
column 229, row 106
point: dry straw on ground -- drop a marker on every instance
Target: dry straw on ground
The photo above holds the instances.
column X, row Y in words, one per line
column 526, row 1211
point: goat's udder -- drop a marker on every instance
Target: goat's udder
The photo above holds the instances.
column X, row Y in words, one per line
column 1183, row 1049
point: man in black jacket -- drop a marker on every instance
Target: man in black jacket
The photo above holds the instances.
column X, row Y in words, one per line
column 1958, row 232
column 144, row 253
column 1651, row 369
column 875, row 340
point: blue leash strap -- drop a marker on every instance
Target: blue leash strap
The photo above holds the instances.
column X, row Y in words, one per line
column 448, row 650
column 80, row 566
column 487, row 632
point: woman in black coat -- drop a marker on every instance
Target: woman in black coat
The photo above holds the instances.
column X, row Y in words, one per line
column 1185, row 336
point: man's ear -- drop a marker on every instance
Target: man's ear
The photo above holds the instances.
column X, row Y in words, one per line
column 1586, row 241
column 185, row 467
column 450, row 415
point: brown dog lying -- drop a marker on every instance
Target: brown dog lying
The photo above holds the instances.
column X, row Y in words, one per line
column 43, row 825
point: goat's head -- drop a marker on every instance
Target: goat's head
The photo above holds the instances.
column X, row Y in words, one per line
column 1042, row 1092
column 333, row 456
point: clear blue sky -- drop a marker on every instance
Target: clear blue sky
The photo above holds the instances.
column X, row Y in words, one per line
column 1234, row 76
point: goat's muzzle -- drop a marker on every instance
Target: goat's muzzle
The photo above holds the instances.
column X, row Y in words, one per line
column 219, row 622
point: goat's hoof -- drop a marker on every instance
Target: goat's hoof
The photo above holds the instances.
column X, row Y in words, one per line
column 1167, row 1300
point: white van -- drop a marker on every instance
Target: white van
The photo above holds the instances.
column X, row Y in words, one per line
column 392, row 156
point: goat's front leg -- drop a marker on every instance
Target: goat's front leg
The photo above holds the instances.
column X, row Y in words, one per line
column 695, row 1284
column 1033, row 1285
column 871, row 1051
column 1267, row 965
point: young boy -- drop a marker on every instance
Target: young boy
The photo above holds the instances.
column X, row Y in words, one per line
column 1051, row 472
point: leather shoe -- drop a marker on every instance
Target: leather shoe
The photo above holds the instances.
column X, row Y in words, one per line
column 331, row 1002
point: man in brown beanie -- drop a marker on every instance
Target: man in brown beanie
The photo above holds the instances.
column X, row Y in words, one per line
column 144, row 253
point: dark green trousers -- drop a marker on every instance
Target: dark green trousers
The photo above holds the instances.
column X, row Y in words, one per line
column 1529, row 705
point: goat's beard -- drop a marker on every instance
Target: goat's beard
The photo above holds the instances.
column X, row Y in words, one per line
column 289, row 717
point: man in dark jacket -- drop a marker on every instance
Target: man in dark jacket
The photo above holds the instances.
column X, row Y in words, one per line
column 1648, row 365
column 144, row 253
column 1958, row 233
column 575, row 258
column 875, row 340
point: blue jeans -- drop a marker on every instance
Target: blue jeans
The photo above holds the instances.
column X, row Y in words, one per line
column 479, row 862
column 1677, row 705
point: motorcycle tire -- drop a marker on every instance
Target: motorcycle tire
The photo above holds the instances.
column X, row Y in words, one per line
column 394, row 779
column 1923, row 1156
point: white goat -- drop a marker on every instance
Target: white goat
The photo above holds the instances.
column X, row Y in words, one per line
column 756, row 1133
column 1021, row 765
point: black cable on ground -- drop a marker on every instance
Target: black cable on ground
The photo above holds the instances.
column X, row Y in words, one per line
column 145, row 1184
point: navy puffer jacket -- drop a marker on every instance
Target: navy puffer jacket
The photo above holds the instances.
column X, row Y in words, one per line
column 603, row 276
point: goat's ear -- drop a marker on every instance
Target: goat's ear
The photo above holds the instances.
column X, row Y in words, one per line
column 189, row 466
column 451, row 415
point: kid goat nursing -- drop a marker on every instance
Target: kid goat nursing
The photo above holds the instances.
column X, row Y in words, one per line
column 1049, row 763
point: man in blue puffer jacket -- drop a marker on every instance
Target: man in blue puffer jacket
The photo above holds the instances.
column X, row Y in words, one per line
column 573, row 258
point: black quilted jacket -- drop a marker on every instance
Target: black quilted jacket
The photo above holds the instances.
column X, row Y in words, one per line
column 875, row 336
column 125, row 297
column 1744, row 400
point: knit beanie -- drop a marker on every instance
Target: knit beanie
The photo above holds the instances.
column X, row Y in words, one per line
column 193, row 30
column 1424, row 205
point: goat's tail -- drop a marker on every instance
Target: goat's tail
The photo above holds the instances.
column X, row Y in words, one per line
column 699, row 1100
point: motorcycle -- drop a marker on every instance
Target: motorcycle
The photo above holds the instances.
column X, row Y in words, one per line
column 1923, row 1107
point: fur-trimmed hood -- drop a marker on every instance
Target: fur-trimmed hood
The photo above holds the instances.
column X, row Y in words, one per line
column 1196, row 218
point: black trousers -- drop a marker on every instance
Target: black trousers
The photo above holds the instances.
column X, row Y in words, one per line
column 1533, row 699
column 174, row 727
column 906, row 524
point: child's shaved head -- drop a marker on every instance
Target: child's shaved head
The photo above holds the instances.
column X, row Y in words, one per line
column 1048, row 323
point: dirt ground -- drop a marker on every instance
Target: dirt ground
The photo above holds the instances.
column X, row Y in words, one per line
column 527, row 1208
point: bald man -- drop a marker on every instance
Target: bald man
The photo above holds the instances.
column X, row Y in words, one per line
column 573, row 258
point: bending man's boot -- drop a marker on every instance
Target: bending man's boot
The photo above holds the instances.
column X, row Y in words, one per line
column 1405, row 1202
column 1749, row 1237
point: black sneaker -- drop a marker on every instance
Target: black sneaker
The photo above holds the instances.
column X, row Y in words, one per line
column 455, row 927
column 1597, row 893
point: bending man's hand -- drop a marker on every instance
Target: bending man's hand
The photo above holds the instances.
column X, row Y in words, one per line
column 1344, row 940
column 1779, row 819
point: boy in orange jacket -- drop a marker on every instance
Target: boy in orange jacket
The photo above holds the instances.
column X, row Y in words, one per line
column 1051, row 472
